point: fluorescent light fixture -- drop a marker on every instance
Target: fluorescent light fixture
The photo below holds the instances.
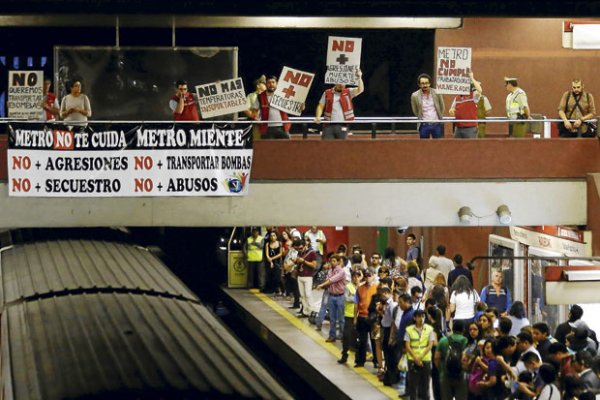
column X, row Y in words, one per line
column 231, row 21
column 465, row 215
column 504, row 214
column 582, row 276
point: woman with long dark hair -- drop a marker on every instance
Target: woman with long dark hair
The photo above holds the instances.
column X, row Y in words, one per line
column 274, row 255
column 463, row 300
column 518, row 316
column 75, row 107
column 435, row 319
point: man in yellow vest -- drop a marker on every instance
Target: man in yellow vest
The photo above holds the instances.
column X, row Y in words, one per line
column 349, row 335
column 419, row 339
column 517, row 107
column 254, row 254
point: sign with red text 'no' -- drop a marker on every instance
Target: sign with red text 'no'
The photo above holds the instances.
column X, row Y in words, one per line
column 221, row 98
column 292, row 89
column 343, row 59
column 453, row 66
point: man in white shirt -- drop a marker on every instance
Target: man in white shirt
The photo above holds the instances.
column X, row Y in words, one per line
column 438, row 263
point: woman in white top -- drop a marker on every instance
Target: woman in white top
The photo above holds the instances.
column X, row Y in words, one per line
column 75, row 107
column 463, row 300
column 518, row 317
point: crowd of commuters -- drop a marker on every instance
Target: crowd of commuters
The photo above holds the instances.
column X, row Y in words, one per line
column 421, row 335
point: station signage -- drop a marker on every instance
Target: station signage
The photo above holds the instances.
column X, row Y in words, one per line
column 129, row 160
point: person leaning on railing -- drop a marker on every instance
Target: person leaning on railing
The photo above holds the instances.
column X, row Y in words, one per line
column 577, row 105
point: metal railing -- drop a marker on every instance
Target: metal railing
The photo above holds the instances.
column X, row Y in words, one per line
column 373, row 126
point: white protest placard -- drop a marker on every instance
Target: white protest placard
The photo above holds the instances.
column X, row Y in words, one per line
column 221, row 98
column 453, row 66
column 292, row 89
column 343, row 59
column 25, row 94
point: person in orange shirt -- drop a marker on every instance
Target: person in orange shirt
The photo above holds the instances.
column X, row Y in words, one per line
column 364, row 293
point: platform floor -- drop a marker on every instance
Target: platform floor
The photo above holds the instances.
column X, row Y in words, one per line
column 305, row 350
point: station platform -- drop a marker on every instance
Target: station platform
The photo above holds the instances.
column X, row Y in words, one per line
column 304, row 349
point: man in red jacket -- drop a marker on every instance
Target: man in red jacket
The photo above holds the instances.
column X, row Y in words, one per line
column 276, row 128
column 183, row 104
column 336, row 106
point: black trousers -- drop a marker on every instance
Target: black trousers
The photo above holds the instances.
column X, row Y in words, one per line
column 363, row 329
column 417, row 381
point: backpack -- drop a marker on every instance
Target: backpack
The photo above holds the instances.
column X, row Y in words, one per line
column 454, row 358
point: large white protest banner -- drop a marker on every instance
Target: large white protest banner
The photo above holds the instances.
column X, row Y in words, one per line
column 343, row 59
column 25, row 94
column 292, row 89
column 453, row 66
column 129, row 159
column 221, row 98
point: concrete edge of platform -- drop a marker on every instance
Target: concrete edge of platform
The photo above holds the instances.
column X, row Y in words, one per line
column 310, row 370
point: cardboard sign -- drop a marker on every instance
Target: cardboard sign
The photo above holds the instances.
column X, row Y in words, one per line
column 292, row 89
column 221, row 98
column 25, row 94
column 343, row 59
column 453, row 66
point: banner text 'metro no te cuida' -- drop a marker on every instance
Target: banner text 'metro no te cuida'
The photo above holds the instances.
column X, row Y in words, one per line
column 129, row 159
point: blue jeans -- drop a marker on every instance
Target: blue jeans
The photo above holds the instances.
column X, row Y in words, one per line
column 435, row 131
column 336, row 313
column 323, row 309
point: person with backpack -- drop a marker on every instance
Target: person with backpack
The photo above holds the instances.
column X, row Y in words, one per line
column 448, row 360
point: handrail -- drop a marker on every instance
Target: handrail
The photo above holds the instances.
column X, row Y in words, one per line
column 300, row 120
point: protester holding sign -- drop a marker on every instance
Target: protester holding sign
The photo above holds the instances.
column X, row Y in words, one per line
column 465, row 107
column 75, row 107
column 336, row 106
column 183, row 104
column 275, row 129
column 428, row 105
column 260, row 85
column 49, row 104
column 25, row 94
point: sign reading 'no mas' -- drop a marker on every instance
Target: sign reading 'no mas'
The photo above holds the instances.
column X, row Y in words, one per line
column 292, row 89
column 343, row 59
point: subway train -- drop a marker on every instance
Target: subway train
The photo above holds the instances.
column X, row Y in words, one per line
column 87, row 319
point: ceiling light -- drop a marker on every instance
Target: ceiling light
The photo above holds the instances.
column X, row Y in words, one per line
column 464, row 215
column 504, row 214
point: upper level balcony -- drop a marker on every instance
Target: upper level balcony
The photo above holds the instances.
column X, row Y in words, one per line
column 391, row 179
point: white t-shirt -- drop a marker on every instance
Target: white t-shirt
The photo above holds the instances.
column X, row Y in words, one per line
column 274, row 114
column 549, row 392
column 337, row 114
column 441, row 264
column 465, row 304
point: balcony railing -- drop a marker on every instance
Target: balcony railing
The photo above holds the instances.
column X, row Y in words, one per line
column 373, row 127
